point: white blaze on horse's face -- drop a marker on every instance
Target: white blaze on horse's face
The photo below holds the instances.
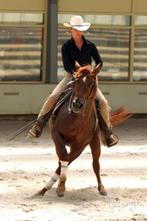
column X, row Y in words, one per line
column 84, row 79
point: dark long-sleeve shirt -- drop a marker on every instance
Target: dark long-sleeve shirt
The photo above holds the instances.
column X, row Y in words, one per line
column 71, row 53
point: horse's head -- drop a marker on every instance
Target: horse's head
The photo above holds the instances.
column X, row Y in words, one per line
column 84, row 87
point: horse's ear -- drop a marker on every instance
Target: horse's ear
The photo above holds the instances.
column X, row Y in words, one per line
column 77, row 65
column 96, row 70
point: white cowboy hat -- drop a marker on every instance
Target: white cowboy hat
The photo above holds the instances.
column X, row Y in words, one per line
column 77, row 23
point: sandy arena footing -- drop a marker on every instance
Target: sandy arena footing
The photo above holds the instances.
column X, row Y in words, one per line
column 27, row 164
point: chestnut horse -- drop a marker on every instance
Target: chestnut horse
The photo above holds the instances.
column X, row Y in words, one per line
column 76, row 125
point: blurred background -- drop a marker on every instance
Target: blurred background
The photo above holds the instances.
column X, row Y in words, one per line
column 31, row 36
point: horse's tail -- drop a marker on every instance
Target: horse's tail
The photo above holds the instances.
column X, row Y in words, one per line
column 119, row 116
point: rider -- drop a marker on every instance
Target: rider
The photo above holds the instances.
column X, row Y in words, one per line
column 83, row 51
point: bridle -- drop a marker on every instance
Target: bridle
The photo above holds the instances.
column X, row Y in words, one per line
column 78, row 104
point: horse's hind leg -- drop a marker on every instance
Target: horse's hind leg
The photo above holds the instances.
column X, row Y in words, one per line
column 96, row 152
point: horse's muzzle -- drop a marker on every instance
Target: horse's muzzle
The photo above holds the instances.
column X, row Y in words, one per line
column 78, row 105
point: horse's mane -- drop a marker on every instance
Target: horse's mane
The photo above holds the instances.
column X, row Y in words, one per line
column 84, row 70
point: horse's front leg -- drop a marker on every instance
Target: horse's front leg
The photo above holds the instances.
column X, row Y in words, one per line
column 96, row 152
column 63, row 160
column 51, row 182
column 62, row 178
column 76, row 150
column 48, row 185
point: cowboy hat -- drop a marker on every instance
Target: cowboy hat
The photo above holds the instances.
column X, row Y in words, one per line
column 77, row 23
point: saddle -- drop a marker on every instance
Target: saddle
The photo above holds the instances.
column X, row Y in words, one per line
column 62, row 99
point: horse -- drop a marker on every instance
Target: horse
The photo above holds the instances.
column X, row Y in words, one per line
column 76, row 125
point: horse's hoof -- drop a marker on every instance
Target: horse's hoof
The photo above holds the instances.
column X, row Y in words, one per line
column 60, row 194
column 40, row 193
column 102, row 190
column 61, row 186
column 103, row 193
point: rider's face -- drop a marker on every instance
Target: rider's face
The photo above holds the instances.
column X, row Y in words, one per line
column 75, row 33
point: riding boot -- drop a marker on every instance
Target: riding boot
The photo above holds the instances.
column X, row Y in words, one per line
column 38, row 126
column 110, row 138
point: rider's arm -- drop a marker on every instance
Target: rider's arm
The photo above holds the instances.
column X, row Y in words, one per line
column 68, row 66
column 96, row 55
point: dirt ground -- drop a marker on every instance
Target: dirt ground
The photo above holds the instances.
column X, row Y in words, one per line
column 26, row 165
